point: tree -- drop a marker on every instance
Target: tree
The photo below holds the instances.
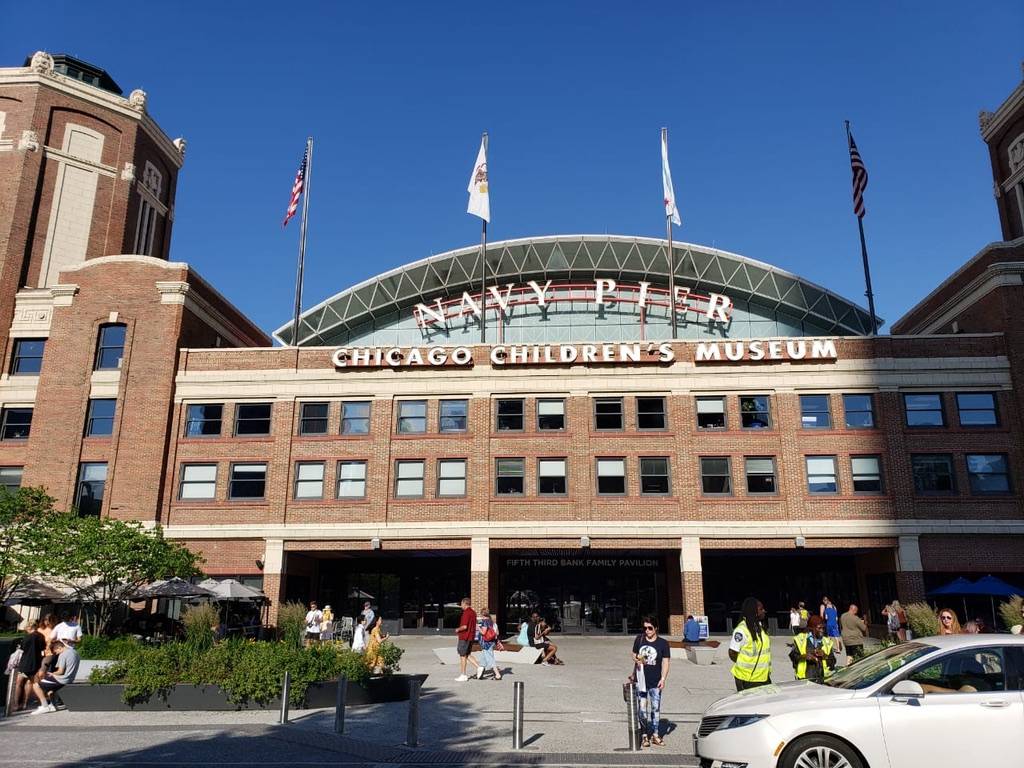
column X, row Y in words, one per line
column 25, row 516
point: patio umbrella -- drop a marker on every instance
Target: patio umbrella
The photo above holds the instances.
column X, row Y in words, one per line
column 231, row 589
column 993, row 586
column 32, row 592
column 958, row 586
column 174, row 587
column 355, row 592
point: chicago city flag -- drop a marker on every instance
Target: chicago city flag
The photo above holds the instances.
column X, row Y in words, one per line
column 479, row 198
column 666, row 182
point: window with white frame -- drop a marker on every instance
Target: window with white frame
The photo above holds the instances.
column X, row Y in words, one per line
column 309, row 480
column 551, row 477
column 198, row 481
column 408, row 479
column 550, row 414
column 351, row 479
column 821, row 474
column 451, row 477
column 611, row 477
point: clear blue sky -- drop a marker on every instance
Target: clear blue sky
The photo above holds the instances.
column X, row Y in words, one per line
column 573, row 95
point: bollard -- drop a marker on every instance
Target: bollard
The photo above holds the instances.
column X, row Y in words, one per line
column 339, row 705
column 517, row 715
column 634, row 719
column 412, row 736
column 12, row 687
column 286, row 689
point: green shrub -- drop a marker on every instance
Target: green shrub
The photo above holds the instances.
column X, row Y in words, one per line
column 199, row 621
column 96, row 647
column 390, row 655
column 1012, row 611
column 922, row 619
column 291, row 623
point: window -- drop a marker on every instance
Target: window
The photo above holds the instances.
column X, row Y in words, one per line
column 867, row 474
column 510, row 415
column 611, row 477
column 100, row 420
column 551, row 477
column 760, row 471
column 248, row 481
column 933, row 473
column 754, row 412
column 608, row 413
column 454, row 415
column 510, row 475
column 650, row 413
column 412, row 416
column 110, row 347
column 204, row 420
column 715, row 476
column 814, row 413
column 550, row 414
column 313, row 419
column 309, row 480
column 408, row 479
column 352, row 480
column 27, row 358
column 145, row 227
column 92, row 478
column 355, row 418
column 198, row 481
column 710, row 413
column 451, row 477
column 10, row 478
column 988, row 473
column 924, row 410
column 654, row 477
column 977, row 409
column 252, row 419
column 821, row 474
column 860, row 411
column 972, row 670
column 17, row 422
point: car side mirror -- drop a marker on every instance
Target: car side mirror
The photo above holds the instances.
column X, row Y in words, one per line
column 908, row 689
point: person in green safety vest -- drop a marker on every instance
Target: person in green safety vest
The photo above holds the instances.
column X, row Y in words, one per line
column 751, row 648
column 813, row 654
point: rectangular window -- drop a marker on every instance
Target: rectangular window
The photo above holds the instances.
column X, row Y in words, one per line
column 252, row 419
column 650, row 413
column 27, row 359
column 860, row 411
column 451, row 477
column 550, row 414
column 510, row 416
column 454, row 415
column 351, row 479
column 355, row 418
column 510, row 476
column 10, row 478
column 867, row 474
column 924, row 410
column 412, row 416
column 17, row 423
column 710, row 413
column 100, row 419
column 204, row 420
column 92, row 479
column 977, row 409
column 198, row 481
column 654, row 476
column 608, row 413
column 551, row 477
column 988, row 473
column 110, row 347
column 309, row 480
column 821, row 474
column 408, row 479
column 248, row 481
column 755, row 412
column 611, row 477
column 933, row 474
column 814, row 413
column 715, row 476
column 760, row 472
column 313, row 419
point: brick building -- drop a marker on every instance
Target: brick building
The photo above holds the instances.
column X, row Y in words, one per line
column 564, row 452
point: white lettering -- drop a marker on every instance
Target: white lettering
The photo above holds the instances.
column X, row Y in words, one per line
column 719, row 307
column 541, row 293
column 734, row 350
column 429, row 315
column 589, row 353
column 462, row 356
column 502, row 300
column 519, row 354
column 756, row 350
column 340, row 357
column 607, row 353
column 775, row 350
column 601, row 287
column 497, row 355
column 568, row 353
column 707, row 352
column 797, row 350
column 415, row 357
column 468, row 302
column 823, row 348
column 629, row 353
column 682, row 299
column 362, row 357
column 437, row 355
column 666, row 354
column 393, row 356
column 642, row 300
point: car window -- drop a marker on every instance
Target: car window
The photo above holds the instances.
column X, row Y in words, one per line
column 878, row 666
column 970, row 670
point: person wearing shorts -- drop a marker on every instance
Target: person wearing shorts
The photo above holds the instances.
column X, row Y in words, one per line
column 63, row 674
column 466, row 634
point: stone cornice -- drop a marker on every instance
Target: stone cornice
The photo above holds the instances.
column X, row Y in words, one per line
column 997, row 275
column 991, row 123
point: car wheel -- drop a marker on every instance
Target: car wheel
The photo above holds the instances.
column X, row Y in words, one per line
column 820, row 751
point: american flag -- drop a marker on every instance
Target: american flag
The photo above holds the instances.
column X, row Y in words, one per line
column 860, row 179
column 300, row 180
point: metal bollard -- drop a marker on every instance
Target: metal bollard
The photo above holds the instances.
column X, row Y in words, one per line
column 634, row 719
column 286, row 689
column 12, row 687
column 339, row 705
column 412, row 736
column 517, row 715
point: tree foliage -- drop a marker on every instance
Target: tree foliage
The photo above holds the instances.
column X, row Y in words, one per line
column 24, row 516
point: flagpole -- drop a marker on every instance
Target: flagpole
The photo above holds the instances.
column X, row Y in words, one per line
column 302, row 240
column 671, row 259
column 483, row 266
column 864, row 257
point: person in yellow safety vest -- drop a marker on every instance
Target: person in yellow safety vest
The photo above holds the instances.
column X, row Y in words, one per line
column 751, row 648
column 813, row 654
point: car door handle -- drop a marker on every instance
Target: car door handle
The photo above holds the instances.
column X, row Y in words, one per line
column 995, row 704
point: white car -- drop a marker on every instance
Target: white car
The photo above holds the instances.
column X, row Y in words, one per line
column 936, row 702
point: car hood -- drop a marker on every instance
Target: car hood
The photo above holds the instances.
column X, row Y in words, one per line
column 774, row 699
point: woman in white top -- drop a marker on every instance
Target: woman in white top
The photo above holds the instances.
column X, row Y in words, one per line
column 359, row 635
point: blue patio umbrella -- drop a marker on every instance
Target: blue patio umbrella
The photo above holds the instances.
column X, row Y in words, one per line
column 958, row 586
column 993, row 586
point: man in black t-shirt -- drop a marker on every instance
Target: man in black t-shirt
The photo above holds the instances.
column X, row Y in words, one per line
column 651, row 655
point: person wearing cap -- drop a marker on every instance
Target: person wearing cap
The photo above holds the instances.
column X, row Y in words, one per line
column 813, row 655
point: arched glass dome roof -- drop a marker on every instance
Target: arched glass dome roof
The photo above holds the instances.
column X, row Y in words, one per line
column 767, row 301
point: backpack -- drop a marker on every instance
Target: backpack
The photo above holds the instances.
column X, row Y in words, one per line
column 490, row 634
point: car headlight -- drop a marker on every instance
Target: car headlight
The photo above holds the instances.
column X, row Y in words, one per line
column 738, row 721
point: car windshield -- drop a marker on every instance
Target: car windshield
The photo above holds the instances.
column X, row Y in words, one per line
column 877, row 666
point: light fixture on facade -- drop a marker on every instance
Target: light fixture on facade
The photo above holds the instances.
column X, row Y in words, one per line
column 801, row 542
column 375, row 542
column 585, row 542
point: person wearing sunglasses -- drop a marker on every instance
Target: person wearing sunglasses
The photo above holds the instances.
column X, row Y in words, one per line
column 651, row 657
column 949, row 624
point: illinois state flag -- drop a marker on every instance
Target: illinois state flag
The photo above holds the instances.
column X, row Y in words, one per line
column 479, row 198
column 666, row 182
